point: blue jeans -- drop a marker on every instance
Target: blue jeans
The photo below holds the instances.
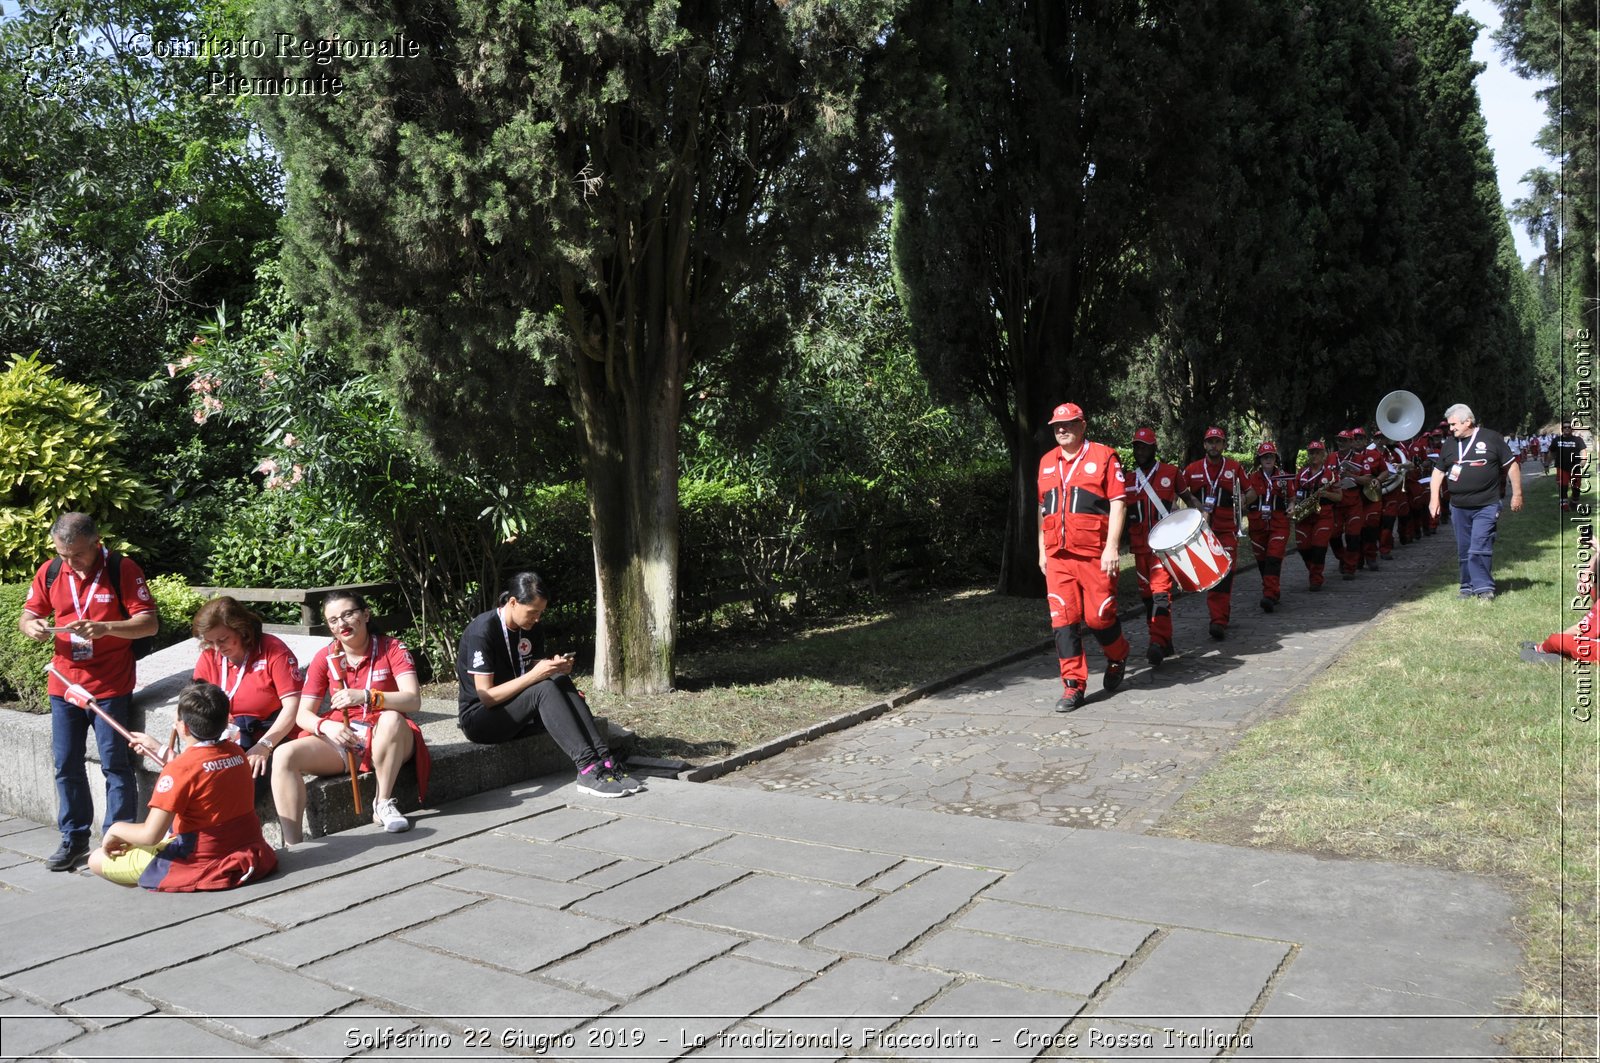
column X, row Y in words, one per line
column 1475, row 545
column 69, row 730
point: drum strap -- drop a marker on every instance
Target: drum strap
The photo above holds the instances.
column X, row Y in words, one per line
column 1144, row 485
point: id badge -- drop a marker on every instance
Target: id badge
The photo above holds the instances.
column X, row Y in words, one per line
column 1455, row 472
column 362, row 730
column 1211, row 501
column 82, row 648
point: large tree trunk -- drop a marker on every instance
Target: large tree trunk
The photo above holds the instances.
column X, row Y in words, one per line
column 631, row 466
column 1019, row 561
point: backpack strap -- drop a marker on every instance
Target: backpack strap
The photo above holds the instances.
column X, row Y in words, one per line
column 50, row 573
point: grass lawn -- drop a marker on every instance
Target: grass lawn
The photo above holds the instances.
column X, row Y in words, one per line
column 1431, row 742
column 739, row 692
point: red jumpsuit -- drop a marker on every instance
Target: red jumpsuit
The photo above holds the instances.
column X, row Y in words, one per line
column 1373, row 465
column 1313, row 534
column 1155, row 583
column 1415, row 524
column 1217, row 485
column 1269, row 528
column 1346, row 541
column 1397, row 503
column 1075, row 496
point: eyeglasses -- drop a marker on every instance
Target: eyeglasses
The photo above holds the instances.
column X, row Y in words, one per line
column 346, row 617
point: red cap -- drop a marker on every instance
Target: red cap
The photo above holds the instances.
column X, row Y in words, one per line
column 1346, row 434
column 1267, row 447
column 1357, row 431
column 1215, row 433
column 1067, row 411
column 1316, row 444
column 1144, row 435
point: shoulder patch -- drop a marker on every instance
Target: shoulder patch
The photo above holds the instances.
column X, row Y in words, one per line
column 165, row 784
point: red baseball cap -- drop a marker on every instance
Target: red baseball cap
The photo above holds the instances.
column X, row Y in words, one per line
column 1144, row 435
column 1267, row 447
column 1215, row 433
column 1346, row 434
column 1316, row 444
column 1067, row 411
column 1357, row 431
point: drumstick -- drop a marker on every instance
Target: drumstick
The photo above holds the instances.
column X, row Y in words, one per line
column 80, row 697
column 349, row 754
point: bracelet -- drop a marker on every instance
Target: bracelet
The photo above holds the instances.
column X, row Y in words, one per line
column 376, row 698
column 265, row 743
column 366, row 696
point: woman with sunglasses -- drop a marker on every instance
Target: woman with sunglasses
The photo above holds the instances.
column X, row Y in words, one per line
column 374, row 691
column 256, row 670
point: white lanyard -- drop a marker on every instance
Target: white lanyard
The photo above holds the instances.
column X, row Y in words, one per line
column 72, row 583
column 1461, row 454
column 1266, row 502
column 222, row 674
column 516, row 655
column 1211, row 483
column 1066, row 477
column 372, row 659
column 1143, row 483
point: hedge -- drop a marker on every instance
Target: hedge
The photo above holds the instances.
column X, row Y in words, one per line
column 22, row 660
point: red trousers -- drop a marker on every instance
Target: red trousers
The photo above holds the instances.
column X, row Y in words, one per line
column 1580, row 647
column 1155, row 587
column 1312, row 536
column 1082, row 597
column 1269, row 537
column 1219, row 599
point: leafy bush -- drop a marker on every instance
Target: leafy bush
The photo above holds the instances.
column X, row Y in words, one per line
column 22, row 660
column 58, row 449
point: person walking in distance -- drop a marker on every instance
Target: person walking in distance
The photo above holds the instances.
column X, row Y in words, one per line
column 1081, row 510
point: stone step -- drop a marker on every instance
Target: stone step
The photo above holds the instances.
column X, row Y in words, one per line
column 460, row 768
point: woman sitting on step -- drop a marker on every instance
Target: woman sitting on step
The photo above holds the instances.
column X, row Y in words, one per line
column 510, row 688
column 258, row 672
column 374, row 692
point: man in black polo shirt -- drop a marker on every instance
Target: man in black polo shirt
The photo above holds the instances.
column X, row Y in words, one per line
column 1473, row 459
column 1566, row 450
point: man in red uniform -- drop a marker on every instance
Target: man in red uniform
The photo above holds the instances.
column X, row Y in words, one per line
column 1370, row 458
column 1395, row 503
column 1415, row 525
column 1269, row 521
column 100, row 604
column 1081, row 511
column 1219, row 483
column 1313, row 533
column 1153, row 490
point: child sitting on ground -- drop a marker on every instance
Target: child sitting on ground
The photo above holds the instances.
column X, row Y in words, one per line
column 206, row 796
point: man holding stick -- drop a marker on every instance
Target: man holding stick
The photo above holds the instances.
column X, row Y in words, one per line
column 100, row 604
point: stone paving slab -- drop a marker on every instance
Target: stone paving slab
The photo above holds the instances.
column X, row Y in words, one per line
column 895, row 921
column 994, row 747
column 230, row 989
column 1395, row 945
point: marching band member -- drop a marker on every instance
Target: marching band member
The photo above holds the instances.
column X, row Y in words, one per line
column 1269, row 521
column 1218, row 481
column 1081, row 509
column 1153, row 489
column 1395, row 504
column 1347, row 515
column 1366, row 454
column 1320, row 480
column 1416, row 522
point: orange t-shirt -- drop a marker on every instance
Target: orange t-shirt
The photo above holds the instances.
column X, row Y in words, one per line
column 206, row 785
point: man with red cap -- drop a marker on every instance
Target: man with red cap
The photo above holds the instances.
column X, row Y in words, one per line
column 1395, row 504
column 1348, row 516
column 1153, row 490
column 1081, row 512
column 1313, row 532
column 1370, row 458
column 1219, row 483
column 1269, row 521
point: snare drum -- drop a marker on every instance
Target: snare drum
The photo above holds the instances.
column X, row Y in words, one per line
column 1189, row 550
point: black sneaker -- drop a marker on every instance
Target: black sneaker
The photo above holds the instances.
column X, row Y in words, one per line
column 628, row 783
column 1114, row 673
column 1267, row 605
column 1157, row 653
column 597, row 782
column 1070, row 700
column 68, row 856
column 1218, row 632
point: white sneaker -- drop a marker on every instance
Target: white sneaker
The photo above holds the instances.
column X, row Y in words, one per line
column 386, row 814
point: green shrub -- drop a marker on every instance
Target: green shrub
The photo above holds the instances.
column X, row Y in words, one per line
column 57, row 453
column 22, row 660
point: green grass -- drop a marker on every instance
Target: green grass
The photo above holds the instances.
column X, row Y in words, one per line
column 1430, row 741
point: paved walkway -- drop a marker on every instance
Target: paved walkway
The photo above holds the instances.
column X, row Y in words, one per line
column 996, row 747
column 726, row 921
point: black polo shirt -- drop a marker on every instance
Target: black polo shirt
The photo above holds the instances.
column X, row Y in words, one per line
column 1473, row 467
column 486, row 648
